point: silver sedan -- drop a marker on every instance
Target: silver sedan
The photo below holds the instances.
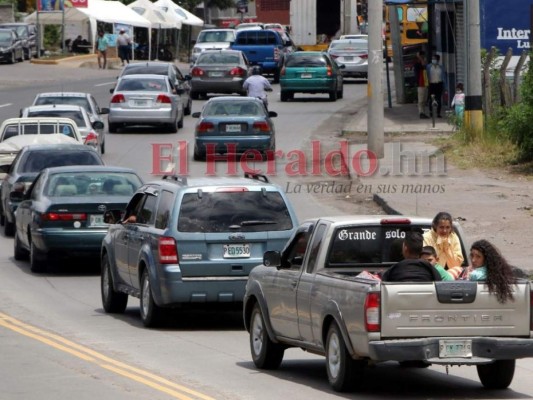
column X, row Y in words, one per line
column 145, row 100
column 353, row 54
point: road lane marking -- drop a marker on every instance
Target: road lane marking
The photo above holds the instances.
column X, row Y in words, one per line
column 6, row 105
column 144, row 377
column 106, row 84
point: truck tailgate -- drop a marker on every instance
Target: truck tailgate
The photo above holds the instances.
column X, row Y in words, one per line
column 415, row 310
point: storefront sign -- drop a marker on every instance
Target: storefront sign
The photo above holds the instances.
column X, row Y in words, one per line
column 506, row 27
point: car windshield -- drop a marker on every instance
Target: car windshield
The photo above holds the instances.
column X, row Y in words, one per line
column 349, row 45
column 76, row 116
column 36, row 161
column 236, row 108
column 92, row 184
column 68, row 100
column 306, row 61
column 34, row 129
column 5, row 37
column 244, row 211
column 222, row 36
column 144, row 84
column 218, row 58
column 146, row 69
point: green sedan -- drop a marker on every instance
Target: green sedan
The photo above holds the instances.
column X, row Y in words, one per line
column 310, row 72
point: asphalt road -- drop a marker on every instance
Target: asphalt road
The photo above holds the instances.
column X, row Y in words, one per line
column 56, row 341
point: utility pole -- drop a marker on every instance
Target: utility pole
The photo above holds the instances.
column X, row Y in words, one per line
column 375, row 73
column 473, row 100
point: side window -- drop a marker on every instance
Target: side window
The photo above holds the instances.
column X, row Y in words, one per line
column 315, row 246
column 146, row 215
column 164, row 210
column 296, row 252
column 36, row 188
column 133, row 207
column 95, row 104
column 262, row 38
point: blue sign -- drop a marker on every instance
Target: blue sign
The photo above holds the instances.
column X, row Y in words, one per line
column 504, row 26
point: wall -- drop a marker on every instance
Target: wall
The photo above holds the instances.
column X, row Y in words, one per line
column 273, row 11
column 7, row 13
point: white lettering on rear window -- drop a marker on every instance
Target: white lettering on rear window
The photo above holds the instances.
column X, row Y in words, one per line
column 365, row 235
column 396, row 234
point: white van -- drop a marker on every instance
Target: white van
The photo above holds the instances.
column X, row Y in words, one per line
column 212, row 39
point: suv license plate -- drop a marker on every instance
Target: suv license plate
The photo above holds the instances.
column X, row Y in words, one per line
column 233, row 128
column 455, row 348
column 304, row 76
column 97, row 220
column 236, row 251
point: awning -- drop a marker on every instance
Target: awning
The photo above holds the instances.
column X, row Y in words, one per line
column 177, row 13
column 152, row 13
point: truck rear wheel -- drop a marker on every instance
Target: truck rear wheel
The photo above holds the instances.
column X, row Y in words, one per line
column 344, row 373
column 497, row 375
column 265, row 353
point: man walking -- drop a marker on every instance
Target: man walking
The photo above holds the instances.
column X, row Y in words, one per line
column 101, row 44
column 124, row 47
column 421, row 83
column 437, row 79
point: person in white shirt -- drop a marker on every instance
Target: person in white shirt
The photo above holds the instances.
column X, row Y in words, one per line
column 437, row 84
column 124, row 47
column 257, row 86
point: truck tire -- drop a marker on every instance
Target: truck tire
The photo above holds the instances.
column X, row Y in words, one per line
column 344, row 373
column 497, row 375
column 151, row 313
column 113, row 302
column 265, row 353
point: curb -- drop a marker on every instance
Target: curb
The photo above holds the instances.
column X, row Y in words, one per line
column 62, row 60
column 431, row 131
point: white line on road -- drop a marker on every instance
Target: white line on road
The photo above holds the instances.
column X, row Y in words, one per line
column 6, row 105
column 107, row 83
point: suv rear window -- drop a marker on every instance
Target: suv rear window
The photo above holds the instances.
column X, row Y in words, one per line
column 249, row 211
column 306, row 61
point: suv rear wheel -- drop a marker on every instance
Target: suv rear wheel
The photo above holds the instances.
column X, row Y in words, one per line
column 151, row 313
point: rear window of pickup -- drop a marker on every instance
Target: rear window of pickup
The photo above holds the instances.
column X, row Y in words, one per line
column 371, row 244
column 258, row 38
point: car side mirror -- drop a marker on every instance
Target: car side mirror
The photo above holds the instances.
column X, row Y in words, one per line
column 16, row 195
column 111, row 90
column 112, row 216
column 272, row 259
column 98, row 125
column 272, row 114
column 187, row 77
column 104, row 110
column 196, row 115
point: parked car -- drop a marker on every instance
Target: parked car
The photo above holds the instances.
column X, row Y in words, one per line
column 28, row 34
column 62, row 213
column 311, row 72
column 180, row 81
column 219, row 71
column 145, row 100
column 191, row 241
column 40, row 126
column 92, row 133
column 234, row 125
column 212, row 39
column 85, row 100
column 11, row 49
column 353, row 54
column 31, row 160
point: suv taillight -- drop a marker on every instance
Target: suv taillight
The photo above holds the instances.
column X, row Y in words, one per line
column 168, row 252
column 372, row 310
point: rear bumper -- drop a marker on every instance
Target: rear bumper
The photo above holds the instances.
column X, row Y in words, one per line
column 303, row 86
column 242, row 143
column 143, row 116
column 78, row 242
column 225, row 86
column 484, row 349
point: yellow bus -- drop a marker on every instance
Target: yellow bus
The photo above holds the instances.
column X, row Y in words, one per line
column 413, row 19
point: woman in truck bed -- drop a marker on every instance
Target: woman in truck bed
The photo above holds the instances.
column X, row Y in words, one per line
column 442, row 237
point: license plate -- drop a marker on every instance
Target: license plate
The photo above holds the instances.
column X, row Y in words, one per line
column 233, row 128
column 216, row 74
column 348, row 58
column 236, row 251
column 141, row 103
column 304, row 76
column 97, row 220
column 455, row 348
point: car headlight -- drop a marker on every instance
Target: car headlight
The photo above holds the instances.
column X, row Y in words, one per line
column 196, row 50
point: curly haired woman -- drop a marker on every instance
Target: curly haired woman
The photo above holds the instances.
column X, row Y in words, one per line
column 445, row 241
column 489, row 265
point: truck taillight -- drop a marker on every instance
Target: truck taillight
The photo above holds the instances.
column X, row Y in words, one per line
column 168, row 252
column 372, row 311
column 91, row 139
column 276, row 54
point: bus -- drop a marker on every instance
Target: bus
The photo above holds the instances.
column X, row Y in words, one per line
column 413, row 19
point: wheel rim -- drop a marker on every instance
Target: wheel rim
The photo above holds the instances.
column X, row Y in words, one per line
column 145, row 303
column 105, row 281
column 334, row 359
column 257, row 334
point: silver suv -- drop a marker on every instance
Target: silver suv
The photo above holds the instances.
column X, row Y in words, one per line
column 212, row 39
column 184, row 241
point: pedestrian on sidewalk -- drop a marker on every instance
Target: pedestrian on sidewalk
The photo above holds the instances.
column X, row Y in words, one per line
column 421, row 83
column 437, row 83
column 101, row 45
column 124, row 47
column 458, row 103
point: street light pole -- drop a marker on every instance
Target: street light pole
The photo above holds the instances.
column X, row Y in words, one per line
column 473, row 100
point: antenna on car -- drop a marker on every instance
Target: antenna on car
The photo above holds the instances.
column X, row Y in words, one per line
column 257, row 177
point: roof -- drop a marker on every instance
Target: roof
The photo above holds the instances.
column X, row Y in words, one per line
column 58, row 146
column 63, row 94
column 216, row 181
column 359, row 219
column 15, row 143
column 90, row 168
column 234, row 98
column 69, row 107
column 37, row 120
column 143, row 76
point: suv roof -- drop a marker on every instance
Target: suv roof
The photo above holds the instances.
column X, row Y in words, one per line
column 248, row 179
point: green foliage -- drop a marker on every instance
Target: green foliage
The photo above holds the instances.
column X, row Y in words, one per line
column 52, row 36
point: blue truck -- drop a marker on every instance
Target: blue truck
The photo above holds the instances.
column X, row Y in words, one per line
column 264, row 47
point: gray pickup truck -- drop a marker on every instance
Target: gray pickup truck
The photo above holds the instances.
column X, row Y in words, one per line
column 315, row 295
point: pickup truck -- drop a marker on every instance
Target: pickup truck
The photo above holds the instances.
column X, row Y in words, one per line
column 321, row 294
column 39, row 126
column 264, row 47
